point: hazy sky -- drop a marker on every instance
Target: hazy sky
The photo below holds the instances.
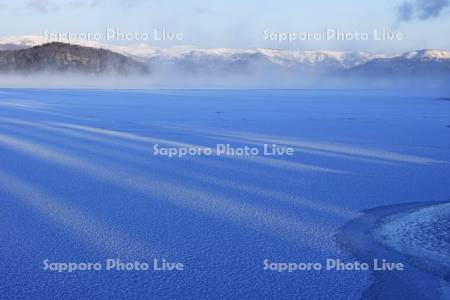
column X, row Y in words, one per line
column 239, row 24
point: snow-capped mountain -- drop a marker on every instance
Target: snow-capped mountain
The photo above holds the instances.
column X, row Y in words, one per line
column 427, row 55
column 186, row 55
column 424, row 64
column 258, row 62
column 29, row 41
column 278, row 58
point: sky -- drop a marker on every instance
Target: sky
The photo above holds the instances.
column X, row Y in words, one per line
column 408, row 24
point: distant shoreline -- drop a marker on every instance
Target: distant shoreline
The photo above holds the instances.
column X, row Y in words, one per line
column 437, row 92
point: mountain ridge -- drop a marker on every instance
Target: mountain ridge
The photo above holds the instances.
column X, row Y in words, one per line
column 242, row 62
column 60, row 57
column 144, row 51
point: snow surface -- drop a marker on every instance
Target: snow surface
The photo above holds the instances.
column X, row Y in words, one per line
column 78, row 182
column 423, row 234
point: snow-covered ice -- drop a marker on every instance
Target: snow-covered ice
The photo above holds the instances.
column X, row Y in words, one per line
column 79, row 183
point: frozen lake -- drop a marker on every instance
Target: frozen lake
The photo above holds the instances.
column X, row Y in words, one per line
column 79, row 182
